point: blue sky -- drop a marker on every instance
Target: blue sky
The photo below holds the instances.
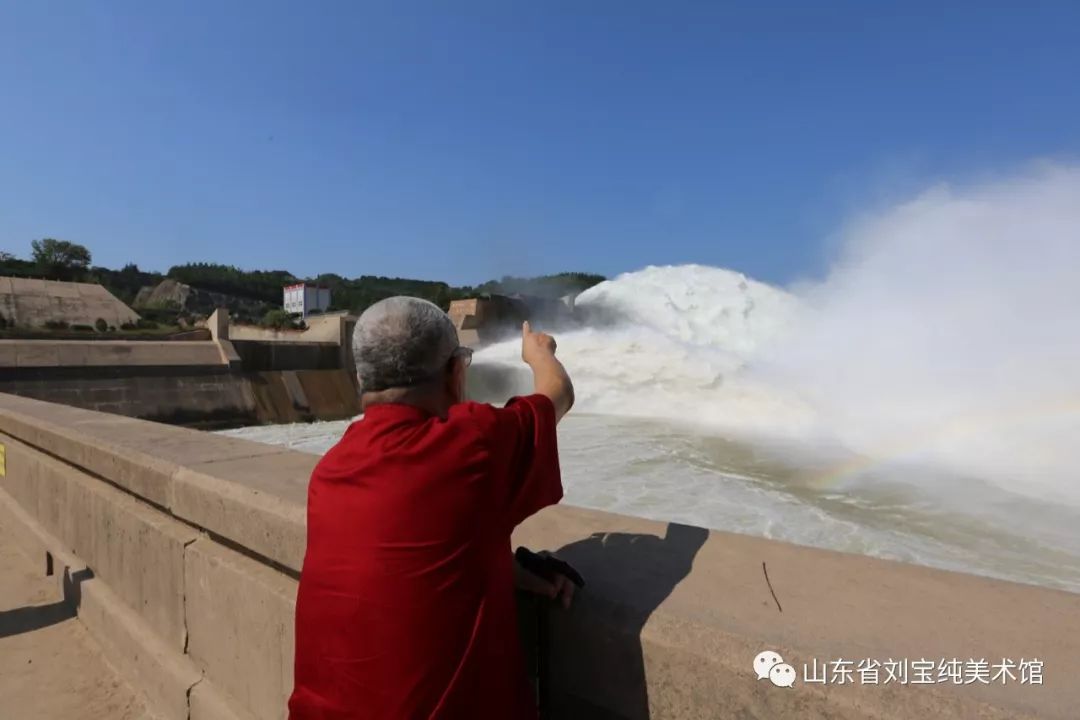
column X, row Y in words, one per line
column 463, row 141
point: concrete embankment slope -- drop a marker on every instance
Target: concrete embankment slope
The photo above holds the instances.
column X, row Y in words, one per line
column 195, row 543
column 32, row 302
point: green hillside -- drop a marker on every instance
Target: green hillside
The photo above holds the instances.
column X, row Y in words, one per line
column 61, row 260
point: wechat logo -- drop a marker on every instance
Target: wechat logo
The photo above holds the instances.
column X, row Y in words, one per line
column 769, row 664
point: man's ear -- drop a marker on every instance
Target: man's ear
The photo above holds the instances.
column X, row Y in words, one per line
column 455, row 378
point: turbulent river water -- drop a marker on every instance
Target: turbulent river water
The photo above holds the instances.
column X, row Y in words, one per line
column 921, row 403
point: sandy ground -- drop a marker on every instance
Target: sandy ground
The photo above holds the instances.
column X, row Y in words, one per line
column 50, row 668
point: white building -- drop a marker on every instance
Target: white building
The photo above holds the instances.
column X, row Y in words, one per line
column 301, row 299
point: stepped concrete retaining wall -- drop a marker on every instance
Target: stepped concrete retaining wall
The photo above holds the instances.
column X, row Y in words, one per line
column 213, row 383
column 186, row 548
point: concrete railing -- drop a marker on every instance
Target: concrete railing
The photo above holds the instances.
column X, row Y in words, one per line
column 192, row 544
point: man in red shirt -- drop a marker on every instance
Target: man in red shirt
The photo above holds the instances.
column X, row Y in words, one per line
column 406, row 606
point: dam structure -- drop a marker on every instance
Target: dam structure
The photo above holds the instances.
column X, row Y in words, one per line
column 231, row 376
column 178, row 552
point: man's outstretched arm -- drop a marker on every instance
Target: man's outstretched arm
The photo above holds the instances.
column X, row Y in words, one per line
column 549, row 376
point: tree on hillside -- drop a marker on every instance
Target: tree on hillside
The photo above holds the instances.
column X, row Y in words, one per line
column 263, row 285
column 60, row 259
column 12, row 265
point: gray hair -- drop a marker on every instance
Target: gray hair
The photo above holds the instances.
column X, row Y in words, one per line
column 401, row 342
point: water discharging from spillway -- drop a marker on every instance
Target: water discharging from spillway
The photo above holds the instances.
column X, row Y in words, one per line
column 922, row 403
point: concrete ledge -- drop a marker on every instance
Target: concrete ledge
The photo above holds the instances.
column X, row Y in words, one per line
column 721, row 673
column 206, row 703
column 241, row 617
column 208, row 480
column 137, row 550
column 679, row 613
column 262, row 522
column 165, row 675
column 61, row 434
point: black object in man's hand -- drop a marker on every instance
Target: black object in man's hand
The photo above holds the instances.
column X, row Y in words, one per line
column 547, row 566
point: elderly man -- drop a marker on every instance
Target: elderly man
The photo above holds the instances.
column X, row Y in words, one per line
column 406, row 606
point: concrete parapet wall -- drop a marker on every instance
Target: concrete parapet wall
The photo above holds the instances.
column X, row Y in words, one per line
column 164, row 676
column 137, row 550
column 241, row 619
column 173, row 607
column 667, row 627
column 674, row 616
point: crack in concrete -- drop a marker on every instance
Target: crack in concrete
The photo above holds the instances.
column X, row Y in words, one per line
column 187, row 696
column 183, row 584
column 769, row 583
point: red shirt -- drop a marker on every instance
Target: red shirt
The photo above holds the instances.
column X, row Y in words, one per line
column 406, row 603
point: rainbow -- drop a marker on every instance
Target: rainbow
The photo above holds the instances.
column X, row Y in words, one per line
column 912, row 444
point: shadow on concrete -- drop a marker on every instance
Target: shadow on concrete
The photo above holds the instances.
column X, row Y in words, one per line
column 595, row 661
column 34, row 617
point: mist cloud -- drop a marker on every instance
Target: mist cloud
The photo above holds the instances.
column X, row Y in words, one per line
column 948, row 331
